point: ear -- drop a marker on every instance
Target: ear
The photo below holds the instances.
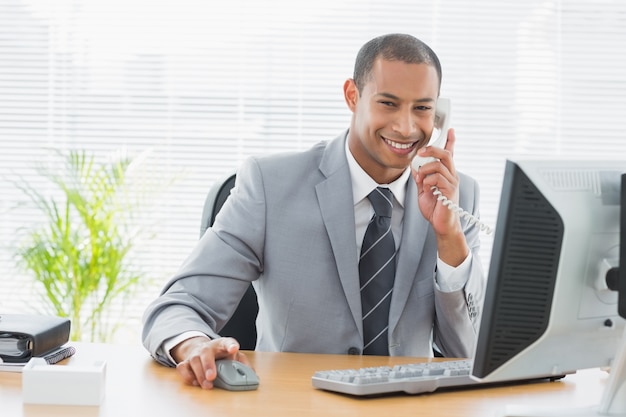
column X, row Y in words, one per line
column 350, row 94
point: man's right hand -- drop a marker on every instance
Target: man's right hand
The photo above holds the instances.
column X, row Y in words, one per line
column 196, row 358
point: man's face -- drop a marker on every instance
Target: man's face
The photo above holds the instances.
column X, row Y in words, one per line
column 392, row 117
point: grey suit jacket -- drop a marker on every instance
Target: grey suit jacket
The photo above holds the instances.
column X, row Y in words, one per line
column 289, row 228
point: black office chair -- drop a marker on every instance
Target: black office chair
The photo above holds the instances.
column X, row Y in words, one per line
column 242, row 324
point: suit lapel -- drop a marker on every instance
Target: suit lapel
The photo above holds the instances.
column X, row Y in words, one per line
column 338, row 215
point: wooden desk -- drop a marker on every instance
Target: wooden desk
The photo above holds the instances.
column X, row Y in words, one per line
column 137, row 386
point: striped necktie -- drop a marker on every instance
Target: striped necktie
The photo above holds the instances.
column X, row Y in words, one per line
column 377, row 270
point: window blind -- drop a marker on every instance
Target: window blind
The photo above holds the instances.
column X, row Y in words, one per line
column 207, row 84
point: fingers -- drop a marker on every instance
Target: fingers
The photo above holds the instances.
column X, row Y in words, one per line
column 227, row 347
column 451, row 141
column 230, row 349
column 441, row 173
column 198, row 370
column 199, row 354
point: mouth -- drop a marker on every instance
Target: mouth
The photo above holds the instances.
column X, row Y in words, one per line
column 400, row 146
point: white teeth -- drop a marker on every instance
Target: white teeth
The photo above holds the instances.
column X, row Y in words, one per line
column 399, row 145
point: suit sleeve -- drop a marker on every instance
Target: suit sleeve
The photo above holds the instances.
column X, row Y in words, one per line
column 208, row 286
column 457, row 313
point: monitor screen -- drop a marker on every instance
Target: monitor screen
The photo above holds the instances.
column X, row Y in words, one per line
column 549, row 308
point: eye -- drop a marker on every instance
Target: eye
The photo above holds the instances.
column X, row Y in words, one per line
column 423, row 108
column 387, row 103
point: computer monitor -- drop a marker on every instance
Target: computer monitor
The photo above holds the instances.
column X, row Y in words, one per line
column 548, row 309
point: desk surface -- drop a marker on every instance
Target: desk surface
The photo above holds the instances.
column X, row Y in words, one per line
column 137, row 386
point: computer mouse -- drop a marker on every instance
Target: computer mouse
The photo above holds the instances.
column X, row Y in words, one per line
column 235, row 376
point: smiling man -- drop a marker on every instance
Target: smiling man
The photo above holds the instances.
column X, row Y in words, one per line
column 348, row 249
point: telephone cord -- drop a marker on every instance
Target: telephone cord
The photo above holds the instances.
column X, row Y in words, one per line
column 462, row 213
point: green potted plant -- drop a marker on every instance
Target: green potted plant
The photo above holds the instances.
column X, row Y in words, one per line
column 79, row 255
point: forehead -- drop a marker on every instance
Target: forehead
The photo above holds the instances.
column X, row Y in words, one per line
column 404, row 80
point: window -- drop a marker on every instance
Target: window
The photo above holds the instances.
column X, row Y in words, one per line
column 207, row 84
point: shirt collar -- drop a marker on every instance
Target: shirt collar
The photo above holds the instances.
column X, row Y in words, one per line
column 363, row 184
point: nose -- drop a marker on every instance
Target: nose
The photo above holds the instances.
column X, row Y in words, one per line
column 405, row 123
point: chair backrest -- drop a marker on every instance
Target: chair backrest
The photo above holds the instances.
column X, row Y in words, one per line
column 242, row 325
column 215, row 199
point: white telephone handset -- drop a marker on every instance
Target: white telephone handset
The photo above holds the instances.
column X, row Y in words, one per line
column 439, row 138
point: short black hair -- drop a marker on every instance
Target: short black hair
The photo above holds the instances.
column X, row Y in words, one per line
column 392, row 47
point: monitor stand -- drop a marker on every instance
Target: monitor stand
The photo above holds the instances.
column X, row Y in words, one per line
column 613, row 401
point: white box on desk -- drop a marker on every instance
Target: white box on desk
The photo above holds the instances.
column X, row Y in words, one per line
column 63, row 384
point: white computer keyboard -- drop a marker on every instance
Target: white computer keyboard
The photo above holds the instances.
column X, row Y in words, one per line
column 412, row 378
